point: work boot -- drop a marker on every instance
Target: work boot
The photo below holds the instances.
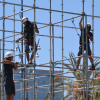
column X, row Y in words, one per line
column 28, row 65
column 92, row 68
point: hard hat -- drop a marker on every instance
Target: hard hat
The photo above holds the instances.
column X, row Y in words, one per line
column 24, row 19
column 8, row 54
column 89, row 24
column 89, row 27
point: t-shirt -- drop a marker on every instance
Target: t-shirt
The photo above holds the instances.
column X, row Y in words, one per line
column 29, row 30
column 91, row 35
column 8, row 70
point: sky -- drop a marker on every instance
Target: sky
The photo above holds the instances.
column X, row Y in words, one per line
column 71, row 39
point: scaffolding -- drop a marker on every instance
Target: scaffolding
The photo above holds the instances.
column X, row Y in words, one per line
column 52, row 64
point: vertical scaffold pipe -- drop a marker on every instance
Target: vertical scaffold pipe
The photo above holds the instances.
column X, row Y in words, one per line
column 73, row 90
column 83, row 51
column 53, row 57
column 93, row 41
column 62, row 54
column 50, row 56
column 25, row 82
column 14, row 34
column 0, row 69
column 34, row 49
column 86, row 59
column 22, row 52
column 3, row 46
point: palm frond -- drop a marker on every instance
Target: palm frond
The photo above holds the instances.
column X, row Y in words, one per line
column 78, row 76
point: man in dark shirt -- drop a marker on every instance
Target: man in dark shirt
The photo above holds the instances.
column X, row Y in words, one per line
column 28, row 36
column 89, row 36
column 8, row 75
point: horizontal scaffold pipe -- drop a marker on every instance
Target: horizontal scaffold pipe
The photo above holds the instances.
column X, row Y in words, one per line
column 39, row 34
column 8, row 49
column 48, row 62
column 58, row 73
column 46, row 76
column 31, row 67
column 45, row 67
column 59, row 26
column 10, row 36
column 33, row 36
column 65, row 89
column 11, row 41
column 66, row 12
column 16, row 13
column 48, row 9
column 61, row 60
column 60, row 22
column 12, row 19
column 16, row 4
column 44, row 24
column 48, row 36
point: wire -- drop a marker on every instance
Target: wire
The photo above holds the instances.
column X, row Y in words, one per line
column 74, row 26
column 19, row 50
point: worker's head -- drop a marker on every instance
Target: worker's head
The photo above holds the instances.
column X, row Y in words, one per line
column 9, row 56
column 25, row 20
column 88, row 27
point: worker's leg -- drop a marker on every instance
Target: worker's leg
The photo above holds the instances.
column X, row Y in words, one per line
column 27, row 50
column 7, row 97
column 91, row 60
column 32, row 56
column 78, row 62
column 27, row 56
column 79, row 53
column 8, row 88
column 11, row 96
column 12, row 90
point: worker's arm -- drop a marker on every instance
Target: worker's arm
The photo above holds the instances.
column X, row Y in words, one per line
column 5, row 61
column 36, row 29
column 16, row 66
column 90, row 37
column 21, row 37
column 80, row 23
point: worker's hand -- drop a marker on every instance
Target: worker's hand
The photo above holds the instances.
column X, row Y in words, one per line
column 34, row 27
column 87, row 34
column 17, row 40
column 12, row 63
column 17, row 62
column 15, row 68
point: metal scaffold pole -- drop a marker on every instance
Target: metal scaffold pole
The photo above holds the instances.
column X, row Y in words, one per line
column 62, row 54
column 14, row 34
column 22, row 52
column 53, row 59
column 93, row 41
column 25, row 82
column 34, row 48
column 86, row 60
column 50, row 57
column 3, row 45
column 0, row 70
column 83, row 49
